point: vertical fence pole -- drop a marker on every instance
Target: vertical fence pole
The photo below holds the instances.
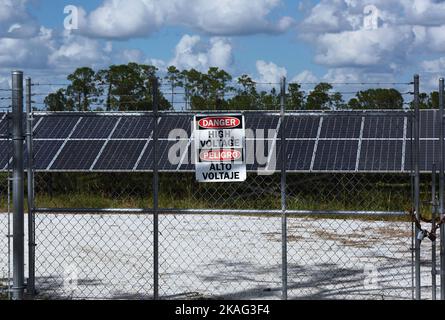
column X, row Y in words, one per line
column 18, row 259
column 283, row 189
column 441, row 189
column 433, row 243
column 155, row 192
column 30, row 198
column 417, row 182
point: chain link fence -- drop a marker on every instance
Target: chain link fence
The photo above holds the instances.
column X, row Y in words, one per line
column 207, row 252
column 4, row 239
column 346, row 235
column 5, row 222
column 318, row 223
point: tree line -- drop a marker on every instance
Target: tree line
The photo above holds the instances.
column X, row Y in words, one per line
column 129, row 87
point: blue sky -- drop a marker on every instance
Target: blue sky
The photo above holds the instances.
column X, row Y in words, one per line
column 284, row 48
column 307, row 41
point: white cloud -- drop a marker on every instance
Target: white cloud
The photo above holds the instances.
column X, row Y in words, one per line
column 269, row 72
column 434, row 65
column 432, row 71
column 423, row 12
column 406, row 30
column 26, row 53
column 15, row 21
column 75, row 51
column 122, row 19
column 119, row 19
column 364, row 48
column 192, row 52
column 131, row 55
column 305, row 76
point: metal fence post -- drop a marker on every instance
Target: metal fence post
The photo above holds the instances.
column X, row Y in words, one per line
column 30, row 197
column 283, row 189
column 433, row 243
column 441, row 189
column 18, row 187
column 155, row 192
column 417, row 182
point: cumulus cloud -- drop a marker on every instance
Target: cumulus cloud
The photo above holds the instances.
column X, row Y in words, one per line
column 305, row 76
column 32, row 52
column 269, row 72
column 75, row 51
column 402, row 30
column 193, row 52
column 423, row 12
column 15, row 21
column 121, row 19
column 362, row 48
column 434, row 65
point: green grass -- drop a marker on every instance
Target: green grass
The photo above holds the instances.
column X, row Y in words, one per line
column 370, row 201
column 318, row 192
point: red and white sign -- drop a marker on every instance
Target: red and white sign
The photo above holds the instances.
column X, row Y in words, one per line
column 224, row 155
column 219, row 123
column 220, row 148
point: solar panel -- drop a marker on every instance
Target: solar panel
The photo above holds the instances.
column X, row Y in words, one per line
column 383, row 127
column 262, row 153
column 301, row 127
column 134, row 128
column 428, row 154
column 341, row 127
column 381, row 142
column 336, row 155
column 78, row 155
column 378, row 155
column 168, row 124
column 5, row 153
column 120, row 155
column 169, row 156
column 55, row 127
column 428, row 124
column 43, row 153
column 95, row 127
column 300, row 155
column 255, row 122
column 3, row 125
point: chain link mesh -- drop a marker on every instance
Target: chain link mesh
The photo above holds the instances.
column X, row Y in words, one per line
column 211, row 254
column 4, row 236
column 5, row 223
column 86, row 256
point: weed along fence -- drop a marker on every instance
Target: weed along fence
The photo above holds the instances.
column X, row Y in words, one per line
column 278, row 204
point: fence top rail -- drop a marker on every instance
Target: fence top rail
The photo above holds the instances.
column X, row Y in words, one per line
column 376, row 112
column 347, row 213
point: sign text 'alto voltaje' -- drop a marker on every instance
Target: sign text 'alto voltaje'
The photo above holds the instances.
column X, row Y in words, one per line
column 220, row 148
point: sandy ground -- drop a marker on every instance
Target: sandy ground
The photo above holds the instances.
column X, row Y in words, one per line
column 228, row 257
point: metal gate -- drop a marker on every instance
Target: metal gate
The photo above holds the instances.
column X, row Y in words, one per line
column 114, row 219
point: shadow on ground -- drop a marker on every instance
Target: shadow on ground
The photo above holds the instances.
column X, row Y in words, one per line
column 247, row 281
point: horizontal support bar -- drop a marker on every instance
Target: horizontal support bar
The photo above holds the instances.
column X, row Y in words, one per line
column 225, row 211
column 395, row 112
column 406, row 172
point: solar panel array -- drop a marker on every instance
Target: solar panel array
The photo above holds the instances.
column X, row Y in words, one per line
column 315, row 142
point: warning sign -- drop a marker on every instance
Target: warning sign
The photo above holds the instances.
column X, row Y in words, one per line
column 220, row 148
